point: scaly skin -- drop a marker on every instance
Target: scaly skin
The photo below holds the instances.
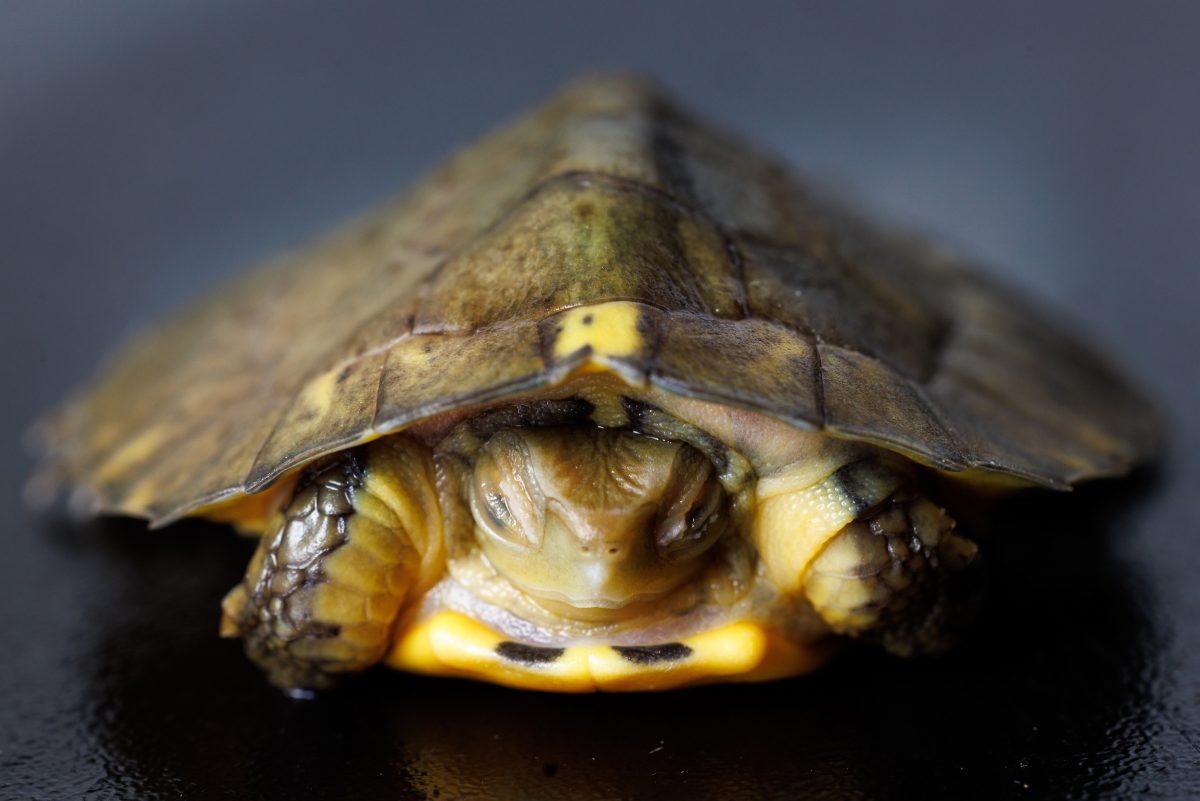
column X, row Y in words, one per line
column 327, row 583
column 340, row 582
column 604, row 233
column 884, row 576
column 871, row 556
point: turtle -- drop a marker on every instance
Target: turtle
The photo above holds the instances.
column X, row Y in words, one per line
column 609, row 400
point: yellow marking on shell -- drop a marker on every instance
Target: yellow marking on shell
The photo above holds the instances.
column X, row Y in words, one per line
column 610, row 330
column 452, row 644
column 137, row 449
column 140, row 496
column 1097, row 438
column 318, row 394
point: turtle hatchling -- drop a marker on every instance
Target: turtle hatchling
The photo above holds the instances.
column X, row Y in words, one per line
column 609, row 400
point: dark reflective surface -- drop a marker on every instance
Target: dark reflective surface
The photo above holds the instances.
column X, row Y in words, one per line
column 1054, row 693
column 146, row 153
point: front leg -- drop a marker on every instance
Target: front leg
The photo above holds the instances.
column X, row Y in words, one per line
column 360, row 538
column 874, row 558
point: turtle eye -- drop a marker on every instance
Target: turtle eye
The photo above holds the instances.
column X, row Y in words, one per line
column 694, row 523
column 704, row 514
column 505, row 501
column 497, row 509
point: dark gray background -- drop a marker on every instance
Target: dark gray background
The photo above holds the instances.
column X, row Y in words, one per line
column 148, row 150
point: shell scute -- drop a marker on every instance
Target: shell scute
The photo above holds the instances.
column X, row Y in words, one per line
column 747, row 288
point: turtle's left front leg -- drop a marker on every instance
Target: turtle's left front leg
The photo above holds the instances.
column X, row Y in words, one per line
column 874, row 557
column 360, row 538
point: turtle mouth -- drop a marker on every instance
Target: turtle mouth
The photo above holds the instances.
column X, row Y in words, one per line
column 726, row 590
column 606, row 600
column 596, row 609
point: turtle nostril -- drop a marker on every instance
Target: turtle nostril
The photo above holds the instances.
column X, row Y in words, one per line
column 612, row 550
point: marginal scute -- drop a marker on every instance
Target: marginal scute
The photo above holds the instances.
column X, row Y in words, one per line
column 1029, row 395
column 750, row 290
column 335, row 406
column 866, row 399
column 775, row 368
column 432, row 373
column 847, row 304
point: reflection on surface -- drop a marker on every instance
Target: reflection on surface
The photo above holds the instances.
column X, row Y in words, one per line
column 1059, row 667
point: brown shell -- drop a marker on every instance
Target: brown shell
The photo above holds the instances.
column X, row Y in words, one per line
column 755, row 293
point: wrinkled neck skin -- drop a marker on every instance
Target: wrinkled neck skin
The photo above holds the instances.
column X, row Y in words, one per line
column 594, row 524
column 584, row 528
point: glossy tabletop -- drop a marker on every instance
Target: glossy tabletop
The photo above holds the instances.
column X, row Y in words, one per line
column 147, row 152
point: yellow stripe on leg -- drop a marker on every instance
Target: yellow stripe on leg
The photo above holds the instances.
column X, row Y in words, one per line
column 802, row 508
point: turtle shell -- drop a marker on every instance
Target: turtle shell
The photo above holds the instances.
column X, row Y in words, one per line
column 747, row 289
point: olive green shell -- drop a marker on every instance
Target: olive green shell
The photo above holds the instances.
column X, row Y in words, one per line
column 755, row 291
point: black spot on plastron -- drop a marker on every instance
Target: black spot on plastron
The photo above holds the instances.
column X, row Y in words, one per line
column 653, row 654
column 587, row 319
column 528, row 654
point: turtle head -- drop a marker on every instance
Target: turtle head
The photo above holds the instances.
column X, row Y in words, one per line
column 593, row 522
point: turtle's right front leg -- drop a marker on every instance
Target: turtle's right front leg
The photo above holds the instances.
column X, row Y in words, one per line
column 872, row 556
column 361, row 537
